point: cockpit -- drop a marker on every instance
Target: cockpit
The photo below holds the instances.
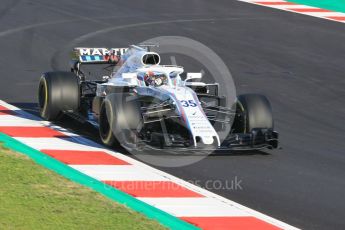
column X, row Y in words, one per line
column 153, row 78
column 142, row 68
column 160, row 75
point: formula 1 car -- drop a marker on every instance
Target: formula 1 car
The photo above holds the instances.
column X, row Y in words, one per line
column 143, row 104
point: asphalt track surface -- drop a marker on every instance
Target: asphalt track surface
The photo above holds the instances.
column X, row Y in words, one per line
column 297, row 61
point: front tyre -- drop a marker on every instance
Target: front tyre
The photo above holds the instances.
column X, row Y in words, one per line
column 253, row 125
column 106, row 118
column 119, row 120
column 257, row 112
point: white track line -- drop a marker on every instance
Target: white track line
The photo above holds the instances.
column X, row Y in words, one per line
column 201, row 207
column 118, row 173
column 57, row 144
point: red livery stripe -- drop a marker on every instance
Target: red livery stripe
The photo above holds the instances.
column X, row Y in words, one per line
column 6, row 111
column 156, row 189
column 225, row 223
column 309, row 10
column 77, row 157
column 275, row 3
column 15, row 131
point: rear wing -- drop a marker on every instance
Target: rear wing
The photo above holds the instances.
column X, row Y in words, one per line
column 97, row 55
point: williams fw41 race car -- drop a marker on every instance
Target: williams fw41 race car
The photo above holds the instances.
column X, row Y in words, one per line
column 142, row 104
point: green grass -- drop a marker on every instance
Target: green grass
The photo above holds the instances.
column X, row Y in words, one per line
column 32, row 197
column 335, row 5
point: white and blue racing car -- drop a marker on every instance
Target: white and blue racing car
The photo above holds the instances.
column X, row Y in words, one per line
column 142, row 104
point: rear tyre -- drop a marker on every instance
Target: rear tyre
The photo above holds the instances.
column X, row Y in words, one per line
column 257, row 111
column 58, row 92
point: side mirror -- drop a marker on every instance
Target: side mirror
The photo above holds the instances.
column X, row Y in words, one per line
column 191, row 76
column 105, row 78
column 129, row 76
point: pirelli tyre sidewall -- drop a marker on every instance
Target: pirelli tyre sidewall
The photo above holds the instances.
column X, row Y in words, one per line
column 58, row 92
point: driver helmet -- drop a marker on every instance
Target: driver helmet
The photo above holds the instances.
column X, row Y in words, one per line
column 149, row 78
